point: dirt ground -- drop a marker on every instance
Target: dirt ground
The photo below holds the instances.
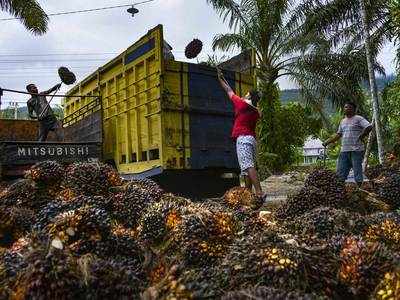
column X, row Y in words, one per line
column 278, row 187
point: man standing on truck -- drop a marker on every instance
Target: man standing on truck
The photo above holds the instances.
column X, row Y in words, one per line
column 45, row 115
column 244, row 132
column 352, row 130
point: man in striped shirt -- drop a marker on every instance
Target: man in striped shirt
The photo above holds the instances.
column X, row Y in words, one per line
column 352, row 130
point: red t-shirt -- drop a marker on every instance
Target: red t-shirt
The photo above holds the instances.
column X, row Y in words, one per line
column 246, row 118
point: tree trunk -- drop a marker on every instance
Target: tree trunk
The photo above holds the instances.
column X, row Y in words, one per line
column 325, row 120
column 372, row 81
column 371, row 137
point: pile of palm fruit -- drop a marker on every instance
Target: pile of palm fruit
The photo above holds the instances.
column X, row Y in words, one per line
column 80, row 232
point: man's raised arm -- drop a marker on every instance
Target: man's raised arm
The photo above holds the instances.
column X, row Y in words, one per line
column 54, row 88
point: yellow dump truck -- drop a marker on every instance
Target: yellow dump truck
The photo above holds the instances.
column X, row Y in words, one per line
column 160, row 118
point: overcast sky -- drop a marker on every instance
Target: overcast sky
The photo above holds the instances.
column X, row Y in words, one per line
column 83, row 42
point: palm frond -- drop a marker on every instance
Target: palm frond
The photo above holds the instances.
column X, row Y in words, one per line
column 29, row 12
column 229, row 41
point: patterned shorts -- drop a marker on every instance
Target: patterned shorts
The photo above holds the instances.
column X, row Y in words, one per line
column 246, row 146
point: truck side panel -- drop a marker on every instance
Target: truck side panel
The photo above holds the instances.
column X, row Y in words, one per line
column 129, row 87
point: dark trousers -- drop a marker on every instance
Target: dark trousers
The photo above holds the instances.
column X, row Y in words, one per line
column 49, row 124
column 351, row 160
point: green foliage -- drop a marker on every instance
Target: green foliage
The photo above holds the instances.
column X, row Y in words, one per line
column 29, row 12
column 284, row 47
column 391, row 116
column 282, row 130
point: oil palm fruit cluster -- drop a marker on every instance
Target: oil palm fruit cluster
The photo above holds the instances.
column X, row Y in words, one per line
column 384, row 228
column 262, row 258
column 54, row 208
column 21, row 193
column 11, row 263
column 373, row 172
column 321, row 188
column 241, row 197
column 66, row 76
column 129, row 205
column 90, row 179
column 388, row 187
column 193, row 49
column 47, row 172
column 85, row 223
column 111, row 279
column 49, row 275
column 323, row 222
column 202, row 282
column 203, row 236
column 363, row 264
column 149, row 186
column 100, row 238
column 159, row 220
column 389, row 287
column 269, row 293
column 15, row 222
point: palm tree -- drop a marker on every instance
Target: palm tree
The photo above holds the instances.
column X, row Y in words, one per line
column 29, row 12
column 339, row 22
column 283, row 48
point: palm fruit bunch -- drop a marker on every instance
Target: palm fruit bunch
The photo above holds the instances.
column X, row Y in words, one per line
column 54, row 208
column 66, row 194
column 85, row 223
column 11, row 263
column 388, row 187
column 90, row 179
column 324, row 179
column 323, row 222
column 363, row 264
column 241, row 197
column 306, row 200
column 21, row 193
column 322, row 188
column 159, row 220
column 107, row 247
column 110, row 279
column 384, row 228
column 193, row 48
column 195, row 239
column 46, row 173
column 262, row 258
column 50, row 274
column 321, row 264
column 128, row 205
column 389, row 287
column 195, row 283
column 15, row 222
column 66, row 76
column 373, row 172
column 149, row 186
column 269, row 293
column 256, row 222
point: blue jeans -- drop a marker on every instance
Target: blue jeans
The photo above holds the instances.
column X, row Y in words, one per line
column 351, row 160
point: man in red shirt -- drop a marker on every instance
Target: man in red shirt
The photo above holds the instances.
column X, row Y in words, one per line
column 244, row 132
